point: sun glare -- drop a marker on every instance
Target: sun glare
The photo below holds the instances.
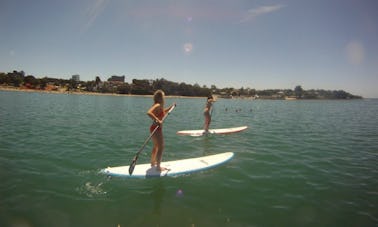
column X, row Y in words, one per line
column 188, row 48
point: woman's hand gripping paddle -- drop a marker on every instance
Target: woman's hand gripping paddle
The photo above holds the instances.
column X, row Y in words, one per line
column 133, row 163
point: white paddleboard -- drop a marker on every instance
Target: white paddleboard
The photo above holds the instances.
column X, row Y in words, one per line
column 174, row 168
column 212, row 131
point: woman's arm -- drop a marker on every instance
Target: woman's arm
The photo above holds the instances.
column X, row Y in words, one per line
column 151, row 113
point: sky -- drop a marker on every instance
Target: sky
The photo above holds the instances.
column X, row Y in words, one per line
column 259, row 44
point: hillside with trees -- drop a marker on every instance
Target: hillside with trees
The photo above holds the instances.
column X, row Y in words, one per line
column 18, row 79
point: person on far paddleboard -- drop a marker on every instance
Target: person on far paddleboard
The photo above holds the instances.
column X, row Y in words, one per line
column 156, row 113
column 207, row 112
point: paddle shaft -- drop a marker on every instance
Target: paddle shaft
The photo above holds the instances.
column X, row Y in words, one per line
column 133, row 163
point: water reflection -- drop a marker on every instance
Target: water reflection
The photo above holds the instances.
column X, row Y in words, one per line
column 157, row 195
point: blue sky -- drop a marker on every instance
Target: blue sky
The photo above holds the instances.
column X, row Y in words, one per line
column 261, row 44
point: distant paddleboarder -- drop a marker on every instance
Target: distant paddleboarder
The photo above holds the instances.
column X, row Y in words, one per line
column 207, row 112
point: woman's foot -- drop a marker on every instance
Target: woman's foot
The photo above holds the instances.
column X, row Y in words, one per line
column 160, row 169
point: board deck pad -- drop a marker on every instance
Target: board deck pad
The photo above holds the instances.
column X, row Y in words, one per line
column 174, row 168
column 202, row 132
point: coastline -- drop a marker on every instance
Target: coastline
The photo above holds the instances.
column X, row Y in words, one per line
column 15, row 89
column 63, row 91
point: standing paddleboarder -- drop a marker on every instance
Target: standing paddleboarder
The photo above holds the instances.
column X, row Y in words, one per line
column 207, row 112
column 156, row 113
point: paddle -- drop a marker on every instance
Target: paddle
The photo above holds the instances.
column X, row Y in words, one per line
column 133, row 163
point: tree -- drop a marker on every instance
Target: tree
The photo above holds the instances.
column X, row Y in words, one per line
column 123, row 89
column 16, row 78
column 30, row 81
column 72, row 84
column 141, row 87
column 298, row 91
column 98, row 80
column 4, row 78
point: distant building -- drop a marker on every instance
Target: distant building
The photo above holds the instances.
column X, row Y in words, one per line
column 76, row 78
column 117, row 79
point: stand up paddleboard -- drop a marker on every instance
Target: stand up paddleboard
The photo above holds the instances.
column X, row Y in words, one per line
column 174, row 168
column 211, row 131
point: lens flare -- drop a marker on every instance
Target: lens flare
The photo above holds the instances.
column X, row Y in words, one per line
column 179, row 193
column 188, row 48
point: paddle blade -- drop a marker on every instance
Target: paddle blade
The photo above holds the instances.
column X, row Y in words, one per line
column 132, row 165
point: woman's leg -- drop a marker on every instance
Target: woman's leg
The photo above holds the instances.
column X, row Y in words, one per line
column 154, row 150
column 160, row 149
column 207, row 121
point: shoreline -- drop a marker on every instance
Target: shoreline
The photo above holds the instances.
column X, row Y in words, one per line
column 27, row 90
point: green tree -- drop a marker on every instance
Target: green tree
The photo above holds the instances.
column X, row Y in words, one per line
column 31, row 81
column 4, row 78
column 98, row 80
column 123, row 89
column 72, row 84
column 141, row 87
column 298, row 90
column 16, row 78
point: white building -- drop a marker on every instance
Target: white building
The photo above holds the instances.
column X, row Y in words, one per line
column 76, row 78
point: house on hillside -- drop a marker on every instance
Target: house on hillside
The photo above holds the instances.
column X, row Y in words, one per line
column 117, row 79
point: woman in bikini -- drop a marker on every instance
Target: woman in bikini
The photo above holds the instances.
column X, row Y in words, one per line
column 206, row 112
column 156, row 113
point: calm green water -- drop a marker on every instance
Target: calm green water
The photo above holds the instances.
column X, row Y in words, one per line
column 300, row 163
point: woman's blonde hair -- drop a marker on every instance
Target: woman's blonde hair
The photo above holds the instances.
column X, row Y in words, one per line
column 159, row 97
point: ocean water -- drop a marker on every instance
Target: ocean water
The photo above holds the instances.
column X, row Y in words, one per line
column 300, row 163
